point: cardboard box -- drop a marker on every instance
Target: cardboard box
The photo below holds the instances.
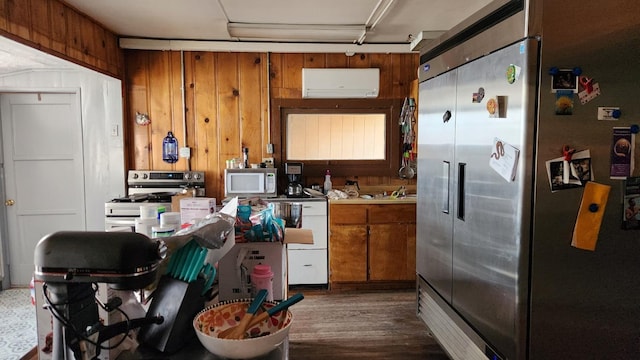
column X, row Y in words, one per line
column 196, row 208
column 236, row 265
column 175, row 200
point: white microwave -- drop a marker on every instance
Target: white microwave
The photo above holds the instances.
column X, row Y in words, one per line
column 251, row 182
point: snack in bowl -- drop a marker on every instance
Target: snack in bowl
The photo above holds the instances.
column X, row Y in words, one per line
column 262, row 338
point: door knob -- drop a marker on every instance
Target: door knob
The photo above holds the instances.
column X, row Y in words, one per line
column 9, row 202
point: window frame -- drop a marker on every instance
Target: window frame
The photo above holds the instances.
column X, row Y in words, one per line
column 390, row 107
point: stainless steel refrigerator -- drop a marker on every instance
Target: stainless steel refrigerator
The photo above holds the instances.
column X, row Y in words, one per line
column 498, row 275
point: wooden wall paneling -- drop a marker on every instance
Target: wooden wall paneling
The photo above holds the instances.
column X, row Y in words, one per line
column 265, row 104
column 250, row 104
column 114, row 54
column 74, row 34
column 41, row 24
column 202, row 111
column 227, row 95
column 276, row 77
column 137, row 83
column 359, row 61
column 402, row 68
column 175, row 103
column 336, row 60
column 292, row 76
column 58, row 27
column 160, row 107
column 89, row 42
column 19, row 18
column 100, row 47
column 383, row 62
column 3, row 15
column 314, row 60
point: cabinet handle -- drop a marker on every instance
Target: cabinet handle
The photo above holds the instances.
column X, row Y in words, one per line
column 461, row 193
column 307, row 265
column 446, row 174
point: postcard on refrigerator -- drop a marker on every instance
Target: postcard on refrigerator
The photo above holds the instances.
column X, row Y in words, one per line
column 568, row 174
column 631, row 219
column 504, row 159
column 622, row 152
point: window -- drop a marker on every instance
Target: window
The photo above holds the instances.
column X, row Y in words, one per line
column 350, row 137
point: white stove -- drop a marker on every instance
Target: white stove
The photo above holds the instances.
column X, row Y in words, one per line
column 150, row 188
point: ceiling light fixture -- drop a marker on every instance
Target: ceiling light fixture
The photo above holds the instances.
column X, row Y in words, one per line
column 296, row 32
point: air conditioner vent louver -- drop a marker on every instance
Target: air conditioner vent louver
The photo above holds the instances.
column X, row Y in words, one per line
column 340, row 83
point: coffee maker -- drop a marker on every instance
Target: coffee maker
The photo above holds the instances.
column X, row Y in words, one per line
column 294, row 173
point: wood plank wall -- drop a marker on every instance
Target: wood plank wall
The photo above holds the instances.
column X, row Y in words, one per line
column 58, row 29
column 226, row 97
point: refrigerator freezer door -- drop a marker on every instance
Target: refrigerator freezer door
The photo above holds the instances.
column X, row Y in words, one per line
column 436, row 133
column 490, row 250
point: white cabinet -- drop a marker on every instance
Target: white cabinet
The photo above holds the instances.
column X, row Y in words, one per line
column 308, row 263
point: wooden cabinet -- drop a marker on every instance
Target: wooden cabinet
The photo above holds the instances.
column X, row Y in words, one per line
column 372, row 243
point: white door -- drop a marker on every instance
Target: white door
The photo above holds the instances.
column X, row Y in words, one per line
column 44, row 186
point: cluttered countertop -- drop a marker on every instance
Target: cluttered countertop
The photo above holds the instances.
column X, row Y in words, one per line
column 372, row 195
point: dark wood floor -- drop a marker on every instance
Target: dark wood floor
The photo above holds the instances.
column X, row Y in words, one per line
column 360, row 325
column 357, row 325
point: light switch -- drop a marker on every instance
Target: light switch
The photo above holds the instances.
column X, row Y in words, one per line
column 114, row 130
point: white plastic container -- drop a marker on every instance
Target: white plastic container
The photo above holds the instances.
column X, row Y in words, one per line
column 170, row 219
column 143, row 226
column 161, row 231
column 148, row 212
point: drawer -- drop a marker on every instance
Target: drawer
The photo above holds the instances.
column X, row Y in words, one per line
column 314, row 208
column 392, row 214
column 348, row 214
column 307, row 267
column 318, row 225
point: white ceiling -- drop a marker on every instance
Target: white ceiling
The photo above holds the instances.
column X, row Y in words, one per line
column 388, row 25
column 387, row 22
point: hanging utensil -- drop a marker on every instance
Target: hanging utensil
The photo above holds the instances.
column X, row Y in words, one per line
column 406, row 170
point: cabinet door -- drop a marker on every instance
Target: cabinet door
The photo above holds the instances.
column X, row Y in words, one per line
column 348, row 253
column 392, row 252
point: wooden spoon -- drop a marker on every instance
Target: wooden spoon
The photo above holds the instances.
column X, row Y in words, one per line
column 265, row 314
column 239, row 330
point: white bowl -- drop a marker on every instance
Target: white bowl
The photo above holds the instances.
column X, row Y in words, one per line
column 264, row 337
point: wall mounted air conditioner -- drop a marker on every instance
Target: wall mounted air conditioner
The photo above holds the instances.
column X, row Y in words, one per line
column 340, row 83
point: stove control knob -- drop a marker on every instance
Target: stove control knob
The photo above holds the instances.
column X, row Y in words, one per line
column 144, row 176
column 187, row 176
column 135, row 175
column 196, row 176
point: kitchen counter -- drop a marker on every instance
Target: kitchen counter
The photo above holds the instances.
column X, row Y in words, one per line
column 382, row 201
column 194, row 350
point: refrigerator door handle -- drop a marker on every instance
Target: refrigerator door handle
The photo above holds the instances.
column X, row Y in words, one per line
column 446, row 175
column 461, row 193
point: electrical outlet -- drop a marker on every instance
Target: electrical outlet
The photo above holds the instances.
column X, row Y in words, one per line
column 185, row 152
column 268, row 161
